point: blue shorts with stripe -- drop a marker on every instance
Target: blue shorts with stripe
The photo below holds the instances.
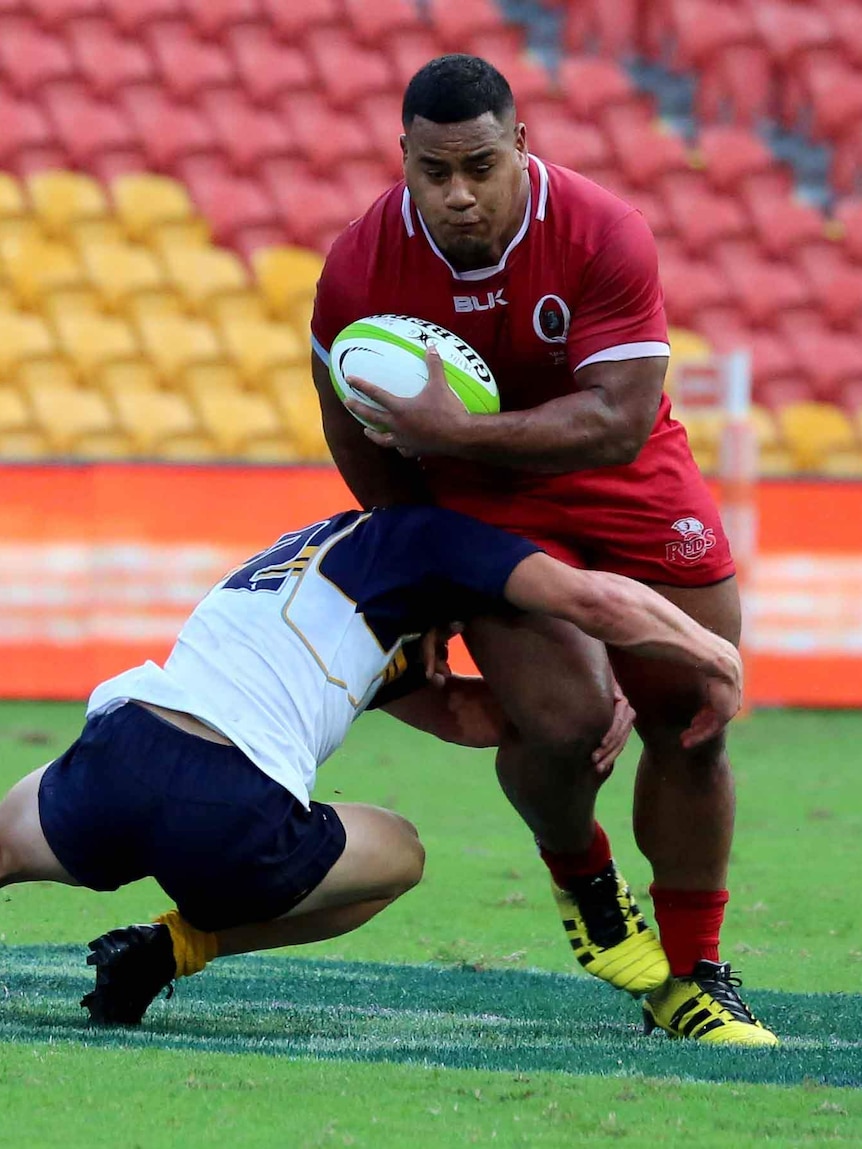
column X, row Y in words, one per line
column 136, row 797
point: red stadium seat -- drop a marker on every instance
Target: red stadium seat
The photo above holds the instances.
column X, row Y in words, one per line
column 212, row 18
column 782, row 223
column 410, row 52
column 646, row 153
column 835, row 283
column 847, row 21
column 266, row 67
column 772, row 363
column 380, row 117
column 777, row 393
column 846, row 166
column 30, row 57
column 310, row 208
column 54, row 14
column 556, row 137
column 231, row 204
column 691, row 286
column 765, row 290
column 373, row 21
column 187, row 65
column 832, row 91
column 244, row 133
column 361, row 182
column 700, row 31
column 324, row 136
column 292, row 20
column 704, row 219
column 105, row 59
column 738, row 83
column 528, row 78
column 346, row 71
column 612, row 26
column 87, row 127
column 25, row 127
column 168, row 132
column 849, row 217
column 831, row 361
column 456, row 21
column 732, row 154
column 130, row 16
column 247, row 240
column 791, row 27
column 592, row 85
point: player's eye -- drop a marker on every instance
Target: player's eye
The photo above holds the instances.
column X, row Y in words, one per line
column 436, row 173
column 482, row 169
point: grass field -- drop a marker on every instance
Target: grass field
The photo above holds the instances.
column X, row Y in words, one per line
column 457, row 1017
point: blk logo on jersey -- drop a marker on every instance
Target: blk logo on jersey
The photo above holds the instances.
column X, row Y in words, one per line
column 551, row 319
column 486, row 302
column 696, row 540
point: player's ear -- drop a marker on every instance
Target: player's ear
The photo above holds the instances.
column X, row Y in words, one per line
column 521, row 143
column 402, row 140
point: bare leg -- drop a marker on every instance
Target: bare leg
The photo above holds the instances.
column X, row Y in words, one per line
column 25, row 855
column 555, row 686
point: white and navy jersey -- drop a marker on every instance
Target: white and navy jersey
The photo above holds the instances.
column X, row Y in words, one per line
column 285, row 652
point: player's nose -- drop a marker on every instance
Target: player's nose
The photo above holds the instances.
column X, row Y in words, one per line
column 459, row 195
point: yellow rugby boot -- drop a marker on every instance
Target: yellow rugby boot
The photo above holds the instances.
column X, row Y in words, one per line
column 608, row 933
column 705, row 1007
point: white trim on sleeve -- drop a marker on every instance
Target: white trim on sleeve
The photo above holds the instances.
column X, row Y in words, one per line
column 319, row 350
column 625, row 351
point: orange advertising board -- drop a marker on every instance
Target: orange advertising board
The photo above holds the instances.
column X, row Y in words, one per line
column 100, row 564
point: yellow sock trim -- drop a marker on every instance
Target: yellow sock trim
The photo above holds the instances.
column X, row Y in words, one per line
column 192, row 948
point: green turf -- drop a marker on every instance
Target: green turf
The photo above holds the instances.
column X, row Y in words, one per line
column 483, row 914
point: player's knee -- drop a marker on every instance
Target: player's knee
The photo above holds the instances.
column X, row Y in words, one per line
column 569, row 730
column 411, row 857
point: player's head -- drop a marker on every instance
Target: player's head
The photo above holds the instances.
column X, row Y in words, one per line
column 465, row 156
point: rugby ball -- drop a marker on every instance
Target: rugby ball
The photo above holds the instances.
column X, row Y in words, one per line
column 389, row 351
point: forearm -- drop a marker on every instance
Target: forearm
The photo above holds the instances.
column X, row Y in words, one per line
column 462, row 711
column 376, row 478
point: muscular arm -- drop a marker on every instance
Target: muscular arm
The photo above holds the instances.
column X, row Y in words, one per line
column 376, row 478
column 605, row 423
column 462, row 711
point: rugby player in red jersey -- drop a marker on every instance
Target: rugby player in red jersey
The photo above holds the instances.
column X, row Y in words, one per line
column 554, row 281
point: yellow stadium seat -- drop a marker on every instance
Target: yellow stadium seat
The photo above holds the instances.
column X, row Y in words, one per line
column 174, row 343
column 38, row 372
column 23, row 445
column 203, row 275
column 92, row 341
column 37, row 268
column 260, row 347
column 144, row 202
column 194, row 233
column 209, row 378
column 273, row 450
column 773, row 457
column 236, row 419
column 188, row 449
column 820, row 436
column 152, row 418
column 69, row 414
column 685, row 347
column 62, row 200
column 287, row 276
column 16, row 218
column 22, row 338
column 120, row 272
column 119, row 378
column 15, row 415
column 293, row 394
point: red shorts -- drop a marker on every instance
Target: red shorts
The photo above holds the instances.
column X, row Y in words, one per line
column 653, row 520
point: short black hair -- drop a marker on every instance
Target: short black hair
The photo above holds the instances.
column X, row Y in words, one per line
column 451, row 89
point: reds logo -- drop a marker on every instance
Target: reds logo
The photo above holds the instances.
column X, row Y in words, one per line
column 695, row 542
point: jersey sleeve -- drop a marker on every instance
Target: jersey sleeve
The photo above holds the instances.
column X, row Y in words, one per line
column 336, row 302
column 620, row 310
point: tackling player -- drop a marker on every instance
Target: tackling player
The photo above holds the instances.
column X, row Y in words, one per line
column 200, row 773
column 554, row 282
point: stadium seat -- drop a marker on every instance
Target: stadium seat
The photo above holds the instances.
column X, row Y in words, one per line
column 120, row 272
column 309, row 207
column 781, row 224
column 247, row 135
column 63, row 199
column 37, row 268
column 105, row 59
column 231, row 204
column 528, row 78
column 690, row 286
column 823, row 97
column 646, row 153
column 187, row 65
column 846, row 19
column 790, row 28
column 360, row 182
column 556, row 137
column 292, row 392
column 152, row 418
column 285, row 276
column 168, row 132
column 214, row 18
column 379, row 118
column 689, row 35
column 54, row 15
column 30, row 57
column 265, row 67
column 820, row 434
column 91, row 341
column 409, row 52
column 456, row 21
column 203, row 275
column 234, row 419
column 703, row 219
column 258, row 347
column 132, row 16
column 836, row 284
column 611, row 26
column 13, row 205
column 15, row 414
column 848, row 215
column 591, row 86
column 68, row 416
column 373, row 21
column 764, row 290
column 347, row 71
column 731, row 155
column 116, row 379
column 324, row 136
column 830, row 360
column 27, row 132
column 174, row 343
column 23, row 445
column 291, row 21
column 87, row 128
column 738, row 85
column 774, row 460
column 145, row 202
column 704, row 431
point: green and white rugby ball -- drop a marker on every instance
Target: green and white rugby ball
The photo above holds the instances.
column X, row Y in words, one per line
column 389, row 351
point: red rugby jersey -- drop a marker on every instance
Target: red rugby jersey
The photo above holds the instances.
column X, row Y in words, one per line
column 578, row 284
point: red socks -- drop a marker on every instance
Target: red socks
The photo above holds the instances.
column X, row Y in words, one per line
column 563, row 867
column 689, row 923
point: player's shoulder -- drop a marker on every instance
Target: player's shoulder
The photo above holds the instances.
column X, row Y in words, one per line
column 580, row 211
column 378, row 228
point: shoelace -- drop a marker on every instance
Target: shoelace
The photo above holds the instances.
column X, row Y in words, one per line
column 600, row 908
column 722, row 983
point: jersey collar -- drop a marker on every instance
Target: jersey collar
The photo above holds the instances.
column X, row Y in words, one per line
column 537, row 204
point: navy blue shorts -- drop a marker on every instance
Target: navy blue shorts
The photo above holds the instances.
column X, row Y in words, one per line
column 136, row 797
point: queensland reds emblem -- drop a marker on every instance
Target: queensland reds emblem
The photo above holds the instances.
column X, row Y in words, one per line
column 551, row 319
column 695, row 542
